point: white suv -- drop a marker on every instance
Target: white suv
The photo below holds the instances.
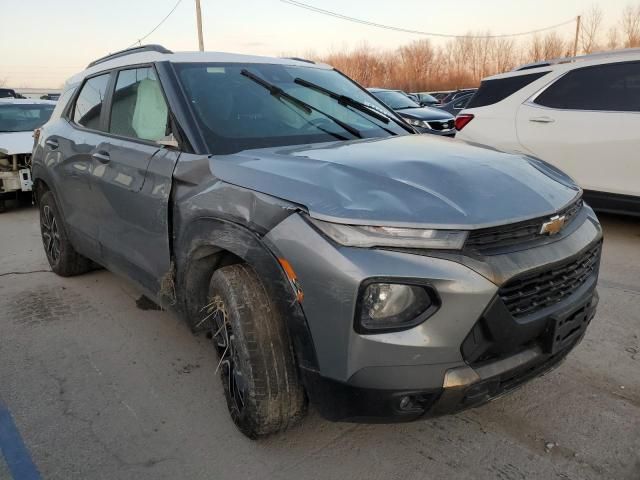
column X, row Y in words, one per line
column 580, row 114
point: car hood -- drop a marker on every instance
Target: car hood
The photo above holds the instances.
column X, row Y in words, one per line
column 425, row 113
column 410, row 180
column 16, row 142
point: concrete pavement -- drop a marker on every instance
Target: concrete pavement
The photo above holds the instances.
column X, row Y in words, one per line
column 99, row 388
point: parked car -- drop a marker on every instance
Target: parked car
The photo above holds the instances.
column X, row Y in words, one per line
column 456, row 94
column 440, row 94
column 329, row 252
column 426, row 100
column 424, row 119
column 412, row 96
column 456, row 105
column 8, row 93
column 18, row 120
column 51, row 96
column 582, row 116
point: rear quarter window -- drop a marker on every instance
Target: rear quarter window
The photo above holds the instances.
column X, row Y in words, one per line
column 494, row 91
column 63, row 102
column 609, row 87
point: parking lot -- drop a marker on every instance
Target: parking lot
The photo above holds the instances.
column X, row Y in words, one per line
column 99, row 387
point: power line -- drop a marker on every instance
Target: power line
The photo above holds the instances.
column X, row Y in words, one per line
column 139, row 41
column 417, row 32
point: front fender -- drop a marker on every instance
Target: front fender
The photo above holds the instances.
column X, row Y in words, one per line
column 207, row 236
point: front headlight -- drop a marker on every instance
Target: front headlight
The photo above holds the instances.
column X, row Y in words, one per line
column 386, row 307
column 417, row 123
column 366, row 236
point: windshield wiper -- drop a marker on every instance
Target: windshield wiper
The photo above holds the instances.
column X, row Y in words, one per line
column 280, row 93
column 351, row 102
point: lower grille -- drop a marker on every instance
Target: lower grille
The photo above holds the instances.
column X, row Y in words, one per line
column 441, row 125
column 532, row 292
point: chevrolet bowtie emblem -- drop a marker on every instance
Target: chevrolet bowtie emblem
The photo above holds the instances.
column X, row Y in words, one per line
column 553, row 226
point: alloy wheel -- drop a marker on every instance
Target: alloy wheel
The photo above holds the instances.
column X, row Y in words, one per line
column 50, row 234
column 225, row 343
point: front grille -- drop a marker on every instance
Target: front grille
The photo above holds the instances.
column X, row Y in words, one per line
column 441, row 125
column 532, row 292
column 493, row 238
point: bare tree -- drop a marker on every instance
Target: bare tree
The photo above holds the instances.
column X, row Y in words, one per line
column 613, row 39
column 3, row 81
column 535, row 51
column 554, row 46
column 503, row 54
column 631, row 26
column 590, row 31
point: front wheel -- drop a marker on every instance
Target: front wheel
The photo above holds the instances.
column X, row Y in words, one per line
column 256, row 361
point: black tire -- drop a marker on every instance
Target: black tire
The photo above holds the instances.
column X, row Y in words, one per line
column 256, row 361
column 62, row 257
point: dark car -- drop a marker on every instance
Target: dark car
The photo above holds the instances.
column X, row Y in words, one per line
column 426, row 99
column 424, row 119
column 8, row 93
column 456, row 94
column 456, row 105
column 330, row 253
column 440, row 94
column 412, row 96
column 51, row 96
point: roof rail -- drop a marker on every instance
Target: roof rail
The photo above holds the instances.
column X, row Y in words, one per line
column 129, row 51
column 529, row 66
column 298, row 59
column 579, row 58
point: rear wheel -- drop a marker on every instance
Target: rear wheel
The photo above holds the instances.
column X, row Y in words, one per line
column 256, row 362
column 62, row 257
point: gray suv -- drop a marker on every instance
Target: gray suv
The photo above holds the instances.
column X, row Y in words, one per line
column 330, row 254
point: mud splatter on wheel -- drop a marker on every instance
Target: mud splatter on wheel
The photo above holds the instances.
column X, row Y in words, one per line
column 256, row 362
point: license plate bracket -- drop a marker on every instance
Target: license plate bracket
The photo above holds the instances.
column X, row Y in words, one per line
column 565, row 331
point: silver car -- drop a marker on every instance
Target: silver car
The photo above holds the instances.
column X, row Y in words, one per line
column 330, row 253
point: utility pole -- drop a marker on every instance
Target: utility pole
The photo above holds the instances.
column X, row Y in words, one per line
column 575, row 43
column 199, row 21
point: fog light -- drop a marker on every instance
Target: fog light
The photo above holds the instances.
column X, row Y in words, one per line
column 406, row 403
column 394, row 306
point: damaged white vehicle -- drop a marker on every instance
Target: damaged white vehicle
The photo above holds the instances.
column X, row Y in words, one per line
column 18, row 119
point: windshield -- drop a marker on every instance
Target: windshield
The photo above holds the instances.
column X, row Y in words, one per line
column 24, row 117
column 396, row 100
column 237, row 113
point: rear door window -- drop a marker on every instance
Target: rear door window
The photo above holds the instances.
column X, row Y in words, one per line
column 611, row 87
column 494, row 91
column 138, row 107
column 88, row 105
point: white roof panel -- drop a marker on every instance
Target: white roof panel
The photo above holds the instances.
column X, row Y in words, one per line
column 188, row 57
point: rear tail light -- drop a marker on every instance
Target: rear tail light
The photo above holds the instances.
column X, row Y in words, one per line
column 462, row 120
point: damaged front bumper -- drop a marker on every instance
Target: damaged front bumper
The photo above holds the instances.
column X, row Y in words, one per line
column 463, row 387
column 425, row 370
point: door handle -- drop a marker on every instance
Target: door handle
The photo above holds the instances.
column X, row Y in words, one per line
column 52, row 144
column 102, row 157
column 541, row 120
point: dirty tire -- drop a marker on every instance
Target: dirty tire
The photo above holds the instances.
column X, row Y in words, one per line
column 62, row 257
column 257, row 358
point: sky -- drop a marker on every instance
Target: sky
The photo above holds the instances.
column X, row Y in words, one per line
column 50, row 41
